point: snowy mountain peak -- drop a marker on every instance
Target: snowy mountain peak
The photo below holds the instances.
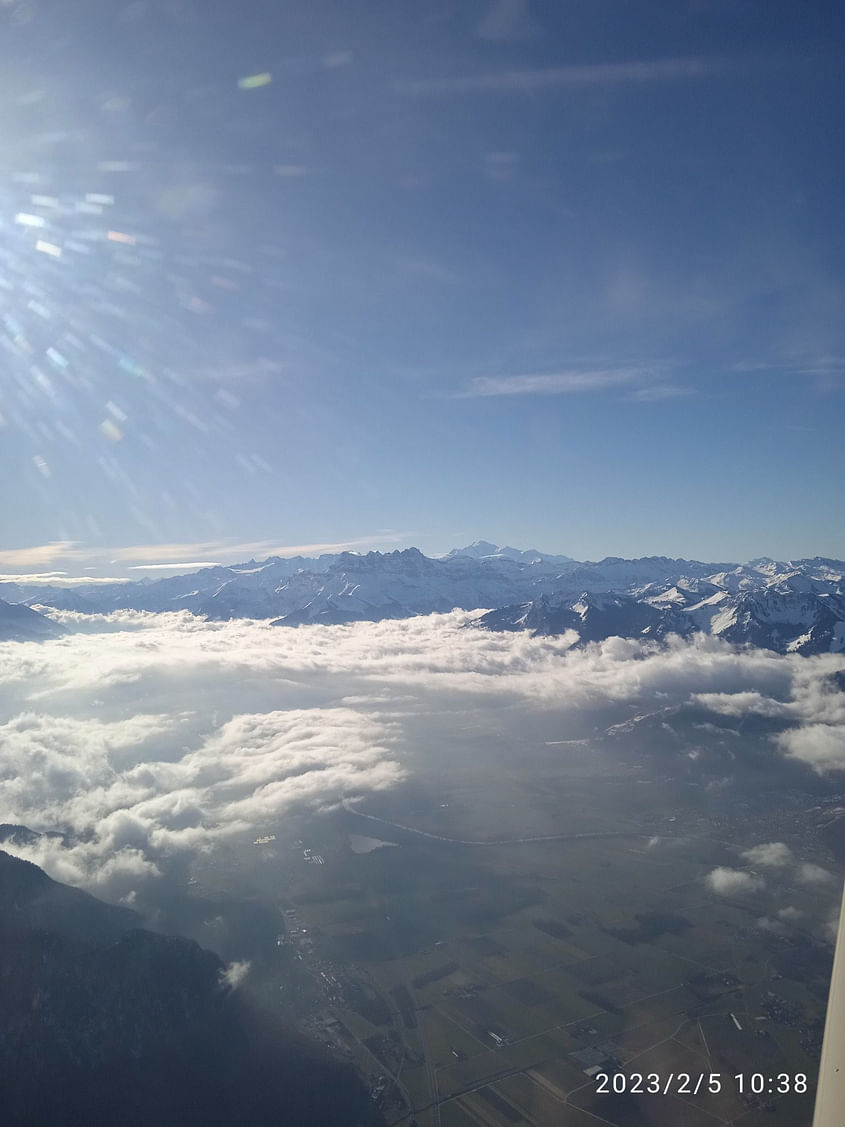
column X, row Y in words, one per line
column 476, row 551
column 484, row 550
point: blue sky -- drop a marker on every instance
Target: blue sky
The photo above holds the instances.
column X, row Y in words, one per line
column 556, row 274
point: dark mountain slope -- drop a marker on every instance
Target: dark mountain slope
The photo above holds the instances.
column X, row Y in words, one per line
column 19, row 623
column 106, row 1023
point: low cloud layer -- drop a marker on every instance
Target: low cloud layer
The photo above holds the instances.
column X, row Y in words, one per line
column 153, row 736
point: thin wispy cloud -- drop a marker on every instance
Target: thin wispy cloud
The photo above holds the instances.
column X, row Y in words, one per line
column 807, row 365
column 501, row 166
column 831, row 368
column 334, row 59
column 658, row 392
column 187, row 556
column 174, row 566
column 57, row 579
column 152, row 553
column 290, row 171
column 568, row 382
column 428, row 269
column 506, row 21
column 38, row 554
column 571, row 77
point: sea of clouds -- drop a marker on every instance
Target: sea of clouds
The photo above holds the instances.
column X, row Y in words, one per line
column 147, row 736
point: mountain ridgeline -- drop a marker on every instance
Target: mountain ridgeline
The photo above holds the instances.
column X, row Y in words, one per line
column 795, row 606
column 19, row 623
column 105, row 1023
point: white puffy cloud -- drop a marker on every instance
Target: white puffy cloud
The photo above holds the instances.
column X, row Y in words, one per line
column 127, row 805
column 767, row 924
column 773, row 854
column 815, row 708
column 748, row 703
column 820, row 745
column 732, row 882
column 235, row 973
column 813, row 874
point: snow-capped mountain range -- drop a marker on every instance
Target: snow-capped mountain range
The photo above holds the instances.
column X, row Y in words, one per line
column 796, row 606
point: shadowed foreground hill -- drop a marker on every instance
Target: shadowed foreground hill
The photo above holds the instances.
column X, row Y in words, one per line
column 103, row 1022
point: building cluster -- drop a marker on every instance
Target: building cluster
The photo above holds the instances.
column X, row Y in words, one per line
column 607, row 1057
column 780, row 1011
column 296, row 934
column 465, row 992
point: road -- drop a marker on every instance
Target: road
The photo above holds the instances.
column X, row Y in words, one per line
column 590, row 835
